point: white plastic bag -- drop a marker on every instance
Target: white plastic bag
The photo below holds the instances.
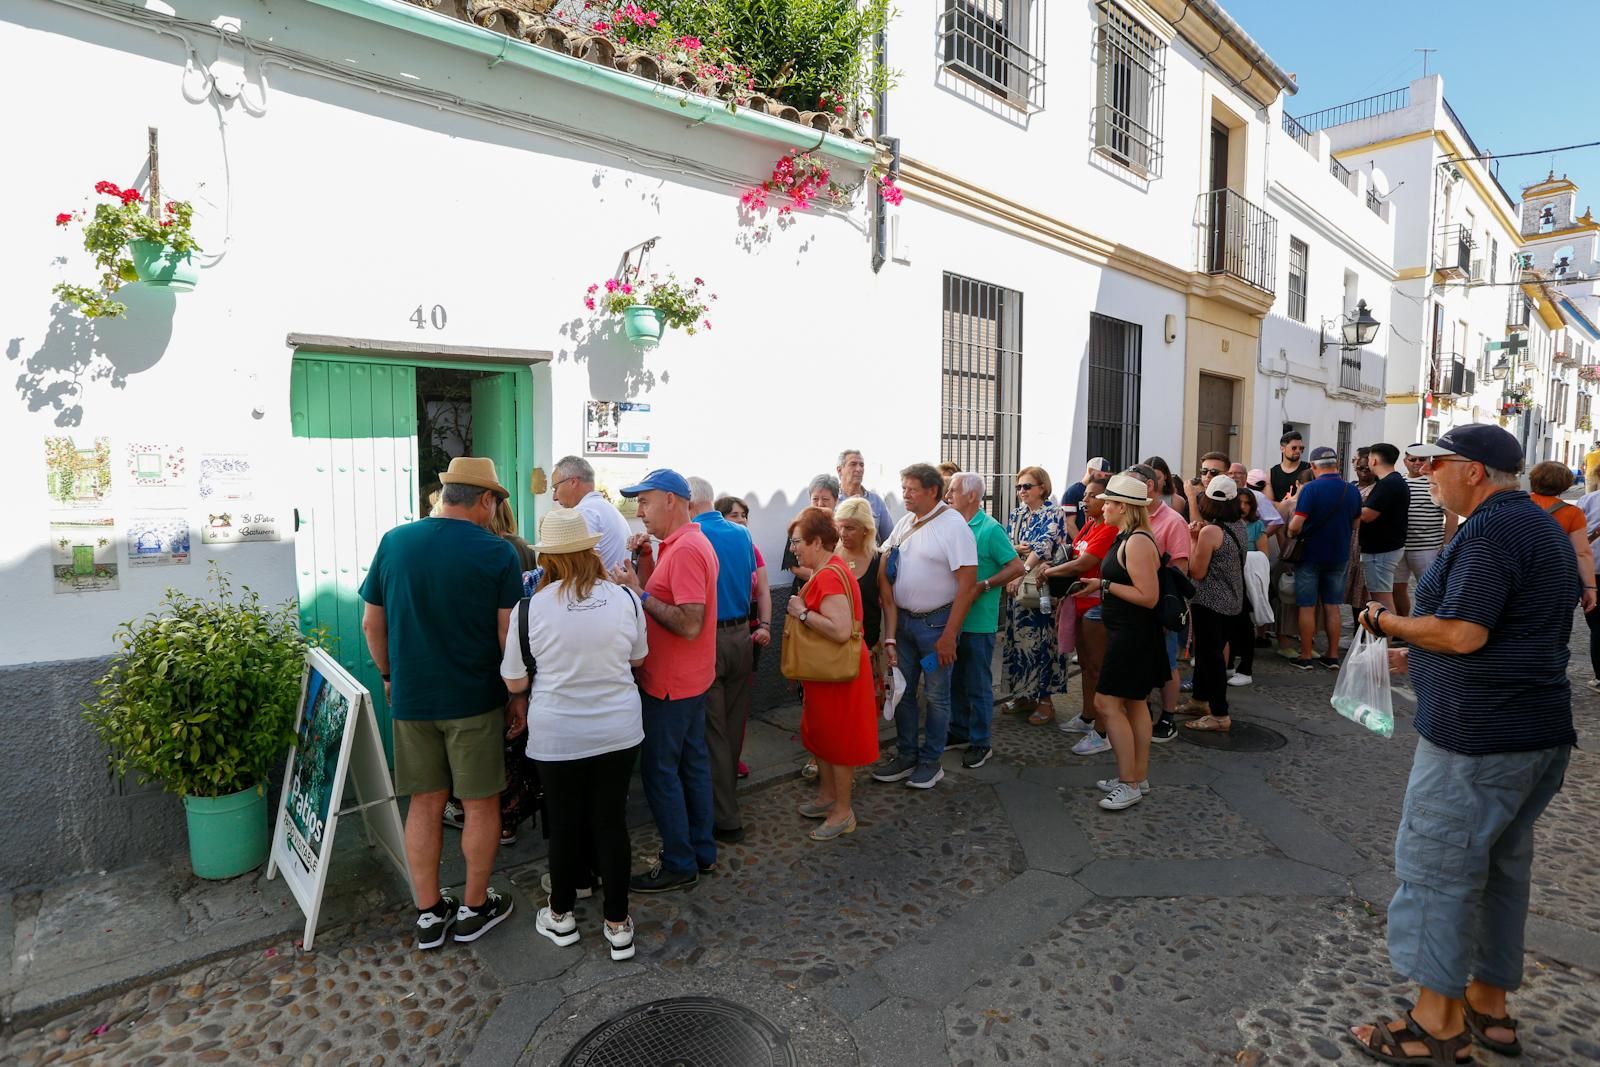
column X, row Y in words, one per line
column 892, row 692
column 1362, row 693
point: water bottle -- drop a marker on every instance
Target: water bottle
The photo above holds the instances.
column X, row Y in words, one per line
column 1044, row 598
column 1377, row 720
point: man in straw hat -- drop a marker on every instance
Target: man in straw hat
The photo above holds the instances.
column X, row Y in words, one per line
column 679, row 591
column 438, row 599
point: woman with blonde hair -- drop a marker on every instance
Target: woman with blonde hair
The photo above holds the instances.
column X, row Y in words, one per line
column 583, row 634
column 858, row 547
column 1035, row 667
column 1136, row 650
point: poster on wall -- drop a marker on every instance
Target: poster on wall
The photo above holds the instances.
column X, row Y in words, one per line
column 157, row 465
column 226, row 478
column 158, row 539
column 78, row 472
column 336, row 738
column 236, row 527
column 83, row 553
column 616, row 428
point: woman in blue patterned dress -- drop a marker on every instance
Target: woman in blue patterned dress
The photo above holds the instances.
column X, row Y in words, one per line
column 1035, row 667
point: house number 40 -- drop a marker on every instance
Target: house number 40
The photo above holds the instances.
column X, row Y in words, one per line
column 436, row 317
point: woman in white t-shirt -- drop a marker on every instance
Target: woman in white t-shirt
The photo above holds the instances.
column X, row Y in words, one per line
column 583, row 635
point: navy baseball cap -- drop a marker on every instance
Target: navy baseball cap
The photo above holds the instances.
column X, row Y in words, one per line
column 1479, row 442
column 1322, row 453
column 668, row 481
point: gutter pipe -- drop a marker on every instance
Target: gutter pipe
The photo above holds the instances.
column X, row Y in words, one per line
column 502, row 48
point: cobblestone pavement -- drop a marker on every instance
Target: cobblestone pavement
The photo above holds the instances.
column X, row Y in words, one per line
column 1236, row 916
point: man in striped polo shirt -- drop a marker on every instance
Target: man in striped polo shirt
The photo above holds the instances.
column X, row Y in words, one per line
column 1428, row 527
column 1487, row 657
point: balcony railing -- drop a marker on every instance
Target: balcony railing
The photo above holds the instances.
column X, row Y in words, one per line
column 1453, row 252
column 1356, row 110
column 1241, row 239
column 1301, row 135
column 1340, row 171
column 1360, row 372
column 1374, row 204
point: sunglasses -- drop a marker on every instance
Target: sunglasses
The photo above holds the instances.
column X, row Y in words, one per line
column 1023, row 487
column 1434, row 462
column 1210, row 472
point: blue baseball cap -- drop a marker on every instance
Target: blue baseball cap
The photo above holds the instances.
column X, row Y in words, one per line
column 1477, row 441
column 668, row 481
column 1323, row 454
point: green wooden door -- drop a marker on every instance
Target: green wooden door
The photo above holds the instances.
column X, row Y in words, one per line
column 494, row 430
column 356, row 426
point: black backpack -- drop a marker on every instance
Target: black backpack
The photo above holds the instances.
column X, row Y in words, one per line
column 1174, row 592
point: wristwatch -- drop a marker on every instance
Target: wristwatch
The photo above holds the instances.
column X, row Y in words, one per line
column 985, row 584
column 805, row 613
column 1105, row 584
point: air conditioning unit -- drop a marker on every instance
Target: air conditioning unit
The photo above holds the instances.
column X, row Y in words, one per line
column 1477, row 270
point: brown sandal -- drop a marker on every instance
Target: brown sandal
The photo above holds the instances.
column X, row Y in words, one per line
column 1042, row 713
column 1389, row 1045
column 1209, row 724
column 1479, row 1024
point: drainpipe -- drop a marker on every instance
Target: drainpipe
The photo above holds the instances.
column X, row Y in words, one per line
column 880, row 123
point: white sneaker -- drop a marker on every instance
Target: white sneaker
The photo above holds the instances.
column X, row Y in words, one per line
column 1090, row 744
column 562, row 929
column 1075, row 725
column 1123, row 796
column 1593, row 683
column 583, row 894
column 1109, row 785
column 1240, row 679
column 621, row 941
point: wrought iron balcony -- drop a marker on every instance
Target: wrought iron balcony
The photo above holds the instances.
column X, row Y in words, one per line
column 1452, row 257
column 1240, row 239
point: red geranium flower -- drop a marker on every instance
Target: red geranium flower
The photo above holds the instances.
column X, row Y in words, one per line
column 63, row 218
column 109, row 188
column 130, row 196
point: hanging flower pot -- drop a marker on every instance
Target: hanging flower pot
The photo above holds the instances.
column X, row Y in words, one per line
column 643, row 324
column 162, row 265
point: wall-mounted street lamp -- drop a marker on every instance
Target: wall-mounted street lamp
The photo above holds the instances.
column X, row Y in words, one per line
column 1356, row 329
column 1501, row 370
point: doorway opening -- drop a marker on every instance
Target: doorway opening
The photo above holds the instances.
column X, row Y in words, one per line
column 1215, row 427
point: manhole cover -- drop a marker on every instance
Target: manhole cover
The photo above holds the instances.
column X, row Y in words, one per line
column 685, row 1032
column 1244, row 737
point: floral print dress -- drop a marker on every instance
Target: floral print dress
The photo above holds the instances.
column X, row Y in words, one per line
column 1035, row 667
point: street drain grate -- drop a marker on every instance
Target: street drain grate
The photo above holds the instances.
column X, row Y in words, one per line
column 1244, row 737
column 685, row 1032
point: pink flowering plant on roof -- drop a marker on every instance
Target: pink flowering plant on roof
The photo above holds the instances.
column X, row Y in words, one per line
column 117, row 219
column 684, row 306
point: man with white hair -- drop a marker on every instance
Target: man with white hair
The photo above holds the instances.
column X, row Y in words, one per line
column 851, row 469
column 573, row 487
column 728, row 699
column 972, row 681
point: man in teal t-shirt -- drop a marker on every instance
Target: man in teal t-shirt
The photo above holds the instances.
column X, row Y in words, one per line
column 438, row 599
column 972, row 681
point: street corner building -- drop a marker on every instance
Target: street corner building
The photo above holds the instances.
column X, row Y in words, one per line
column 413, row 228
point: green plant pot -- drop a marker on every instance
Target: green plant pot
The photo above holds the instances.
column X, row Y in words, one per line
column 157, row 264
column 643, row 324
column 227, row 835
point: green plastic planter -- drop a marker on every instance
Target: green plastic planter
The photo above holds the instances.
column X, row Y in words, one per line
column 643, row 324
column 227, row 835
column 157, row 264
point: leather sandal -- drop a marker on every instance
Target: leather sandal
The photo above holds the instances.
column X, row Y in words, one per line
column 1209, row 724
column 1389, row 1045
column 1479, row 1024
column 1042, row 713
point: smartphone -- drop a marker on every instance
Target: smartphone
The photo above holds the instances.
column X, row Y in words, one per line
column 1078, row 588
column 1194, row 482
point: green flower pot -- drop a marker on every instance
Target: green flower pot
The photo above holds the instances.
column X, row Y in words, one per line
column 157, row 264
column 227, row 835
column 643, row 324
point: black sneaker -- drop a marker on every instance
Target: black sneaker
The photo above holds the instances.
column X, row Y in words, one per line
column 435, row 922
column 894, row 769
column 473, row 923
column 660, row 880
column 976, row 756
column 1330, row 662
column 952, row 741
column 661, row 856
column 1163, row 731
column 728, row 837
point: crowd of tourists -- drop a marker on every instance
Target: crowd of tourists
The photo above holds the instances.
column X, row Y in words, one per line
column 542, row 676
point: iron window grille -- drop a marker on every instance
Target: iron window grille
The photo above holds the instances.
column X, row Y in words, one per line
column 1115, row 359
column 1133, row 71
column 988, row 42
column 1298, row 254
column 981, row 385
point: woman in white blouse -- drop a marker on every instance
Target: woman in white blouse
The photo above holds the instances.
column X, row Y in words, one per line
column 582, row 635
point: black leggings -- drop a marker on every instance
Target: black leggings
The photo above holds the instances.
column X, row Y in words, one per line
column 596, row 787
column 1211, row 632
column 1593, row 619
column 1242, row 641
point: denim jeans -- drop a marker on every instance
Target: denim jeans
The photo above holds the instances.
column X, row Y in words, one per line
column 675, row 770
column 1464, row 857
column 915, row 639
column 972, row 689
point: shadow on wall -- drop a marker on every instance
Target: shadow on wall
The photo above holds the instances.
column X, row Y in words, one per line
column 616, row 368
column 76, row 350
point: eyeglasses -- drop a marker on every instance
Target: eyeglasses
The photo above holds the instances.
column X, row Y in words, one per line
column 1023, row 487
column 1210, row 472
column 795, row 542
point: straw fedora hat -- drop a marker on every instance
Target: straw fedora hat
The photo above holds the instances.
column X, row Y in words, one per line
column 473, row 470
column 563, row 530
column 1126, row 489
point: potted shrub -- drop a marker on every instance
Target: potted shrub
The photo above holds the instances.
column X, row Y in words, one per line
column 201, row 696
column 130, row 245
column 647, row 308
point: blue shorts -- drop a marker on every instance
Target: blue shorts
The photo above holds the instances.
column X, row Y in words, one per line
column 1172, row 650
column 1380, row 568
column 1319, row 581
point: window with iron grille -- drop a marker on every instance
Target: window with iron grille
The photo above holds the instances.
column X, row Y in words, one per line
column 988, row 42
column 1115, row 357
column 1494, row 260
column 981, row 384
column 1298, row 253
column 1133, row 69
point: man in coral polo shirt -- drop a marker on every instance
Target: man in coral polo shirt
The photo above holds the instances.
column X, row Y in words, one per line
column 678, row 588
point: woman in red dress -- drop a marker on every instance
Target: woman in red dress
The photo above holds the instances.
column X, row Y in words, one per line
column 839, row 721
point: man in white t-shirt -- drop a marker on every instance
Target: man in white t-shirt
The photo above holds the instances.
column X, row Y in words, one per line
column 927, row 580
column 573, row 487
